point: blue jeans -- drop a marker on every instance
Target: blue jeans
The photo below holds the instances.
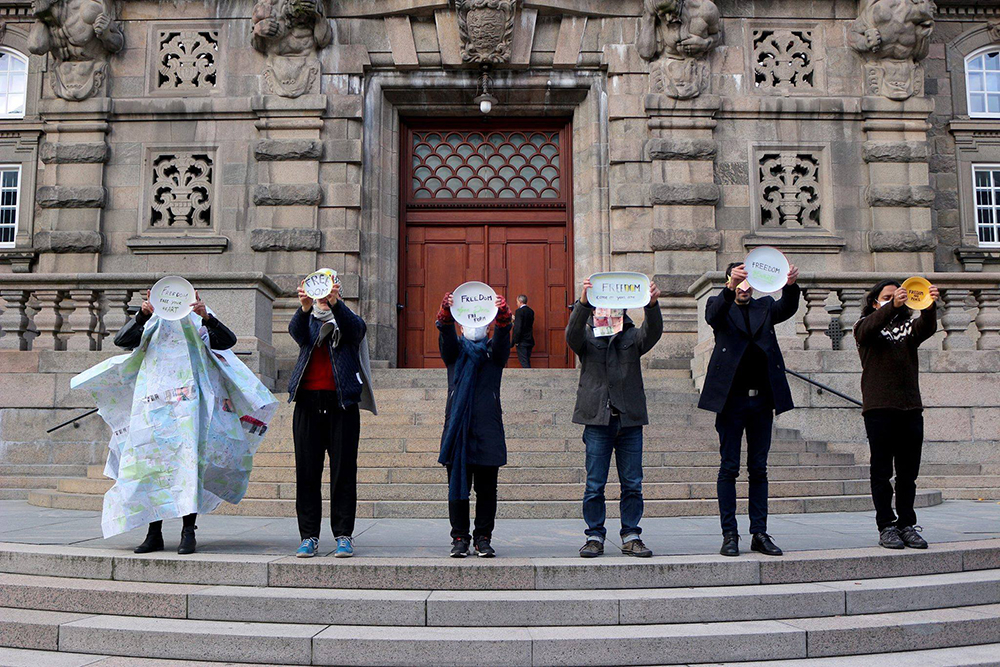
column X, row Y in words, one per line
column 754, row 416
column 626, row 443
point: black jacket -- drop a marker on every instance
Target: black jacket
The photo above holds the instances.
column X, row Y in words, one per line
column 487, row 445
column 219, row 337
column 305, row 329
column 732, row 339
column 609, row 367
column 524, row 324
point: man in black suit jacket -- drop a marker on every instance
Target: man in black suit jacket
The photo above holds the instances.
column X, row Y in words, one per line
column 746, row 387
column 522, row 336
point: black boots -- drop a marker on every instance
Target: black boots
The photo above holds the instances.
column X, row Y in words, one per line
column 761, row 543
column 153, row 542
column 730, row 544
column 187, row 540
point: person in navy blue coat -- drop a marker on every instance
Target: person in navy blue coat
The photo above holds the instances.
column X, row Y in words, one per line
column 746, row 386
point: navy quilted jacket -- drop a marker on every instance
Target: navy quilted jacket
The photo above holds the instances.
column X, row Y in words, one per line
column 305, row 328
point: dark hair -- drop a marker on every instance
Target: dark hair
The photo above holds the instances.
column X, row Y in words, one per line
column 873, row 294
column 523, row 298
column 729, row 269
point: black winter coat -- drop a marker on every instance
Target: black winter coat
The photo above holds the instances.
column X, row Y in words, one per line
column 732, row 339
column 524, row 323
column 609, row 367
column 487, row 444
column 304, row 329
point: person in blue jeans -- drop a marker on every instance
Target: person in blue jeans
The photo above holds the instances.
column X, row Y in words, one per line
column 611, row 404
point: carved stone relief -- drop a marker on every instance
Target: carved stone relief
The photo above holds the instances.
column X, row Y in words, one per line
column 80, row 35
column 182, row 190
column 187, row 60
column 783, row 59
column 291, row 33
column 486, row 28
column 893, row 36
column 789, row 189
column 676, row 36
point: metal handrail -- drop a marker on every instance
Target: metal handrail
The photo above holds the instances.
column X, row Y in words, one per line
column 823, row 387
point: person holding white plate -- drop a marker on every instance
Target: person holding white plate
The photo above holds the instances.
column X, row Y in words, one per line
column 746, row 387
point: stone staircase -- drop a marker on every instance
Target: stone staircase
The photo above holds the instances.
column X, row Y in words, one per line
column 68, row 605
column 399, row 476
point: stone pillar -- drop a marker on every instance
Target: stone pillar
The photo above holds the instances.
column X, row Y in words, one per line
column 71, row 194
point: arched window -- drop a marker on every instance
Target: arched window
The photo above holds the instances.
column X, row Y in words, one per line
column 982, row 72
column 13, row 83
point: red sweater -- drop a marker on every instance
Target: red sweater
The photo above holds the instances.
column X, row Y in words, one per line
column 318, row 375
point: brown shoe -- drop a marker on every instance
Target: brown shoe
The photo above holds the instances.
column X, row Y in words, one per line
column 592, row 549
column 636, row 548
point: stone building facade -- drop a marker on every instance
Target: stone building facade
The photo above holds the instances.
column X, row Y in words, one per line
column 663, row 136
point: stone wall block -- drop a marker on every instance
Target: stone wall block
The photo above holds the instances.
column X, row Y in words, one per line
column 60, row 196
column 79, row 153
column 630, row 196
column 264, row 240
column 69, row 242
column 308, row 194
column 908, row 196
column 343, row 150
column 902, row 242
column 681, row 149
column 273, row 150
column 685, row 239
column 895, row 151
column 696, row 194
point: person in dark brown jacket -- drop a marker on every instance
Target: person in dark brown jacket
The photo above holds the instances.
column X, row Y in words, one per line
column 888, row 336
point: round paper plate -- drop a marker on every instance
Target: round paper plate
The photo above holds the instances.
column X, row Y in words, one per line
column 172, row 298
column 318, row 285
column 918, row 293
column 619, row 289
column 767, row 269
column 475, row 304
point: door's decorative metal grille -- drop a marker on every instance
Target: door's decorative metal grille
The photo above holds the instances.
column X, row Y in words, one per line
column 479, row 166
column 783, row 59
column 188, row 60
column 789, row 191
column 182, row 191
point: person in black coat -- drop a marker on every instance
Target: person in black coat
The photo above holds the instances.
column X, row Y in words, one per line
column 746, row 386
column 129, row 338
column 523, row 336
column 473, row 447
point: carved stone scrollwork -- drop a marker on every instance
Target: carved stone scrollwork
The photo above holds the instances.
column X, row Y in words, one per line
column 486, row 28
column 81, row 35
column 893, row 36
column 187, row 60
column 291, row 33
column 676, row 36
column 789, row 192
column 783, row 59
column 182, row 191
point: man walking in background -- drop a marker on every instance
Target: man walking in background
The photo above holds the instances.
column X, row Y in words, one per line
column 522, row 337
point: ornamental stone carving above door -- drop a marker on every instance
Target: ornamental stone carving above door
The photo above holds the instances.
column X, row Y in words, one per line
column 486, row 28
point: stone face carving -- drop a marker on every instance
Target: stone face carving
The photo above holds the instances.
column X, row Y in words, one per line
column 291, row 34
column 783, row 59
column 81, row 35
column 675, row 36
column 486, row 28
column 893, row 36
column 187, row 60
column 182, row 190
column 789, row 190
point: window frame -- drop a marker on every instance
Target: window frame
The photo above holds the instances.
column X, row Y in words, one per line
column 17, row 55
column 968, row 88
column 17, row 206
column 976, row 166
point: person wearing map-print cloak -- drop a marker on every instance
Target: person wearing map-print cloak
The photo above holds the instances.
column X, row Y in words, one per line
column 186, row 418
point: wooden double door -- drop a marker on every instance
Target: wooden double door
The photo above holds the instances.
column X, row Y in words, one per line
column 487, row 203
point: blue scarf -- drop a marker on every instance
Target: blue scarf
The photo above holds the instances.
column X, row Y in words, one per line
column 455, row 439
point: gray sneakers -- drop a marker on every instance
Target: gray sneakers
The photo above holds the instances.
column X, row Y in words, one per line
column 911, row 537
column 635, row 547
column 592, row 549
column 890, row 539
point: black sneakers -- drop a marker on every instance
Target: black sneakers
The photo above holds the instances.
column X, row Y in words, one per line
column 761, row 543
column 153, row 542
column 483, row 548
column 730, row 544
column 890, row 539
column 459, row 547
column 592, row 549
column 911, row 537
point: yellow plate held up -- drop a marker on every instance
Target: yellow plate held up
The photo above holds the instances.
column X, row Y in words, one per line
column 918, row 293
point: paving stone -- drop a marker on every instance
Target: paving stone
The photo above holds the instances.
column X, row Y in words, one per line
column 522, row 608
column 198, row 568
column 402, row 573
column 28, row 628
column 94, row 596
column 987, row 655
column 67, row 562
column 922, row 592
column 666, row 572
column 857, row 564
column 422, row 646
column 14, row 657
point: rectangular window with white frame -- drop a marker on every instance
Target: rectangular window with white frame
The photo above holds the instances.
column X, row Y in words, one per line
column 10, row 200
column 986, row 188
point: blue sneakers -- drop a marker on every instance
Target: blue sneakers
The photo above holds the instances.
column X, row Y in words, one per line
column 308, row 548
column 345, row 547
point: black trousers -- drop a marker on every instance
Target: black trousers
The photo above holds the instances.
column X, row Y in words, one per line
column 524, row 355
column 484, row 480
column 320, row 427
column 188, row 519
column 753, row 415
column 895, row 438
